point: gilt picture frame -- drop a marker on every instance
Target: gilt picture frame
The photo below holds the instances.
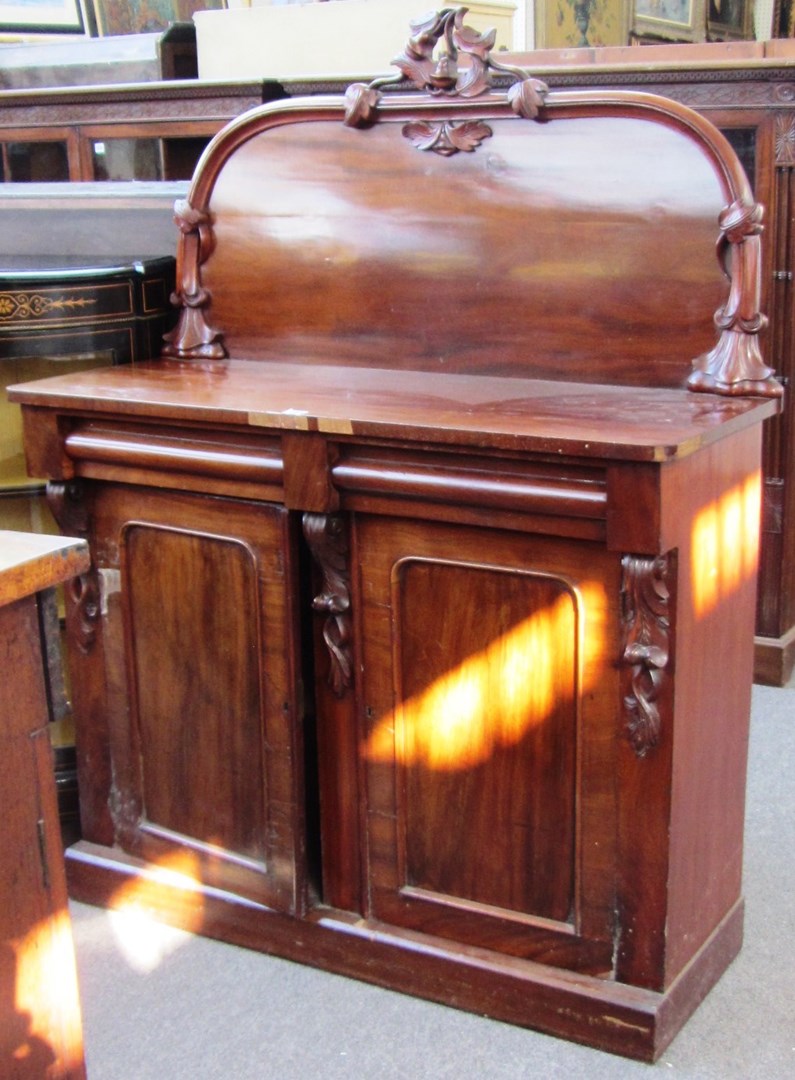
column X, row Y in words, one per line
column 571, row 24
column 147, row 16
column 41, row 17
column 670, row 20
column 730, row 20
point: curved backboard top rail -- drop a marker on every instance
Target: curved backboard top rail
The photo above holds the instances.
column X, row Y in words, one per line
column 472, row 228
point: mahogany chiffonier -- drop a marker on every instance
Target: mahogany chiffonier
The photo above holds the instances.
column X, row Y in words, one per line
column 418, row 638
column 40, row 1033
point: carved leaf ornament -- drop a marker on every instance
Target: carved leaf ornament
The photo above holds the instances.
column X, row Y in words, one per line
column 442, row 74
column 447, row 137
column 325, row 534
column 645, row 602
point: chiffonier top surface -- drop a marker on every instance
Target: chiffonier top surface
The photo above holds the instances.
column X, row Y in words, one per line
column 486, row 412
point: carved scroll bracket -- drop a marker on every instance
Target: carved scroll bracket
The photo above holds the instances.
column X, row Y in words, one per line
column 193, row 338
column 328, row 543
column 735, row 365
column 68, row 505
column 461, row 68
column 645, row 601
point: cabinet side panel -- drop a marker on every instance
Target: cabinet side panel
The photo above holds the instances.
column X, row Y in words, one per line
column 717, row 589
column 197, row 693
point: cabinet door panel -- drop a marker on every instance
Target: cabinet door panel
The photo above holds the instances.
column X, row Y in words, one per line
column 487, row 734
column 489, row 686
column 202, row 688
column 197, row 694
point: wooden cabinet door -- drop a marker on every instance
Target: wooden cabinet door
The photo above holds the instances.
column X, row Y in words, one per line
column 490, row 692
column 202, row 687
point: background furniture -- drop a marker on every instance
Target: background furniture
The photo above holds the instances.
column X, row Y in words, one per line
column 127, row 58
column 500, row 766
column 67, row 314
column 41, row 1029
column 147, row 131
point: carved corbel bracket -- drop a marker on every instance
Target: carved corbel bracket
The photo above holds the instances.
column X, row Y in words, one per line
column 645, row 601
column 327, row 539
column 193, row 338
column 442, row 73
column 735, row 365
column 68, row 505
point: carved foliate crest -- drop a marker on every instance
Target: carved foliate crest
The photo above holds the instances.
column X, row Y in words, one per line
column 443, row 74
column 460, row 68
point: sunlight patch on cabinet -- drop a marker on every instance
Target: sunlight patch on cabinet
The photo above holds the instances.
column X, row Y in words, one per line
column 144, row 941
column 491, row 740
column 495, row 695
column 46, row 948
column 725, row 541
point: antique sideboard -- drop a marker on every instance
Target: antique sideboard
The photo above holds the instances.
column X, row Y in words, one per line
column 421, row 556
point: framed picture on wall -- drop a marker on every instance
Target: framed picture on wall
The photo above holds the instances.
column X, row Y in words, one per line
column 572, row 24
column 147, row 16
column 671, row 20
column 41, row 16
column 730, row 19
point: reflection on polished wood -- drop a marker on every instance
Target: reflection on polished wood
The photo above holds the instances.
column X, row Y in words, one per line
column 398, row 641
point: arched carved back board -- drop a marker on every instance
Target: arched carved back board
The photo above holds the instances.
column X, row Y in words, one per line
column 590, row 236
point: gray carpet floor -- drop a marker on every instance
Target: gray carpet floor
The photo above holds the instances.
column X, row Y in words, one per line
column 161, row 1004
